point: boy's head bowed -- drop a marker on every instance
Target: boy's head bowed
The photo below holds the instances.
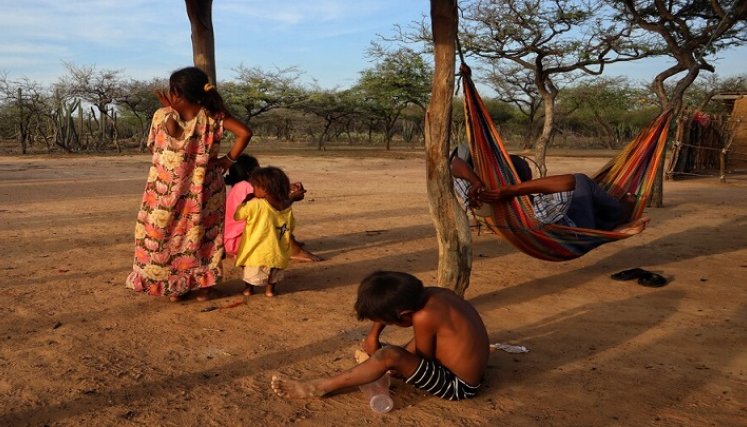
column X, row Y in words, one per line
column 385, row 295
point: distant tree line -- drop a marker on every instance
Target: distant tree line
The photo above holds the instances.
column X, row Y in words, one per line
column 93, row 110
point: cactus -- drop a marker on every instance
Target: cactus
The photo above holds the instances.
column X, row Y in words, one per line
column 62, row 118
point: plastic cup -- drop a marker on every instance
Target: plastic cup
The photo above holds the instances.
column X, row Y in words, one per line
column 378, row 396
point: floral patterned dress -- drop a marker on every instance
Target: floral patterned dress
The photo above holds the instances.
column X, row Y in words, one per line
column 179, row 229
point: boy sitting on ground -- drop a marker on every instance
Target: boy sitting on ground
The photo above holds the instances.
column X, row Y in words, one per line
column 447, row 356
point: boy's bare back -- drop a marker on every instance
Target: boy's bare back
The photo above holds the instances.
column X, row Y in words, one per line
column 453, row 329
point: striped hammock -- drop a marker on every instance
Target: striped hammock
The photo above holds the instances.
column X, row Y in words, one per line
column 630, row 171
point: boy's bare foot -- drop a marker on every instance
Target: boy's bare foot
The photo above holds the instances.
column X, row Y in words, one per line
column 248, row 290
column 634, row 227
column 305, row 256
column 270, row 290
column 285, row 387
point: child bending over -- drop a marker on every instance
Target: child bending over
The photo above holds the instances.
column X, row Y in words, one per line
column 266, row 244
column 447, row 356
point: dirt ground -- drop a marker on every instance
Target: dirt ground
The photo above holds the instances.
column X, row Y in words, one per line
column 79, row 349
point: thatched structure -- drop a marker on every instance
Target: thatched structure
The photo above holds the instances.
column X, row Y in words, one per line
column 706, row 145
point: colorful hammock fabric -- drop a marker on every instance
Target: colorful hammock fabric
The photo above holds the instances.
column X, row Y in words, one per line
column 631, row 171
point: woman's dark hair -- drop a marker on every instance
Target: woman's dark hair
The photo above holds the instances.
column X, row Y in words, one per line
column 242, row 169
column 383, row 295
column 274, row 181
column 192, row 84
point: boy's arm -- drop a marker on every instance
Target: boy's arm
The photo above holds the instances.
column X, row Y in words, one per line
column 371, row 343
column 424, row 327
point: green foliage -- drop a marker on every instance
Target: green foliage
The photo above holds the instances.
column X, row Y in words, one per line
column 258, row 91
column 399, row 79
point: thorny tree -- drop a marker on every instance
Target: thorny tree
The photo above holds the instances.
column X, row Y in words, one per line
column 692, row 31
column 553, row 39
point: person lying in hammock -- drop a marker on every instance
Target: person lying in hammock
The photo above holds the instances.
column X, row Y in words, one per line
column 574, row 200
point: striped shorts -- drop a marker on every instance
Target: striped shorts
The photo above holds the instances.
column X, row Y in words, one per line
column 436, row 379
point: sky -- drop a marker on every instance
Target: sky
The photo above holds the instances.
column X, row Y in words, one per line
column 326, row 39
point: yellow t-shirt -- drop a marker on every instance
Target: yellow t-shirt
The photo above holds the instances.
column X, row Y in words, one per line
column 267, row 234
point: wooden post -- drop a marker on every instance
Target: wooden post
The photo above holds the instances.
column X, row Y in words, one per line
column 724, row 153
column 449, row 218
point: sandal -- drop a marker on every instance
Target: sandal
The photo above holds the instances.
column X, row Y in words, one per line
column 652, row 280
column 630, row 274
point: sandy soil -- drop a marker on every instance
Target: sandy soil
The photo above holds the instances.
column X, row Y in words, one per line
column 78, row 348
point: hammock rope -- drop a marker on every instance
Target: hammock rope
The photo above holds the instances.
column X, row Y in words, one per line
column 632, row 170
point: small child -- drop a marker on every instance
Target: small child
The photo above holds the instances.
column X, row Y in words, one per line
column 447, row 356
column 238, row 178
column 266, row 244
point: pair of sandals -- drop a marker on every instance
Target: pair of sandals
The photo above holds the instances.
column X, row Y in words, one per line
column 645, row 277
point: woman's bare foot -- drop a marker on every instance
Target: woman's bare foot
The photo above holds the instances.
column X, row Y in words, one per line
column 292, row 389
column 175, row 298
column 270, row 290
column 634, row 227
column 305, row 256
column 203, row 295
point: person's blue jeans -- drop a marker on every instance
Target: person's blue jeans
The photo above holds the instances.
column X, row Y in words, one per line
column 592, row 207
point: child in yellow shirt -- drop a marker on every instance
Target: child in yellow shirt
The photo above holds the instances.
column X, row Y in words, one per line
column 266, row 245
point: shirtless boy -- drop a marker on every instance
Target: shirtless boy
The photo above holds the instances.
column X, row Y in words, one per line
column 447, row 356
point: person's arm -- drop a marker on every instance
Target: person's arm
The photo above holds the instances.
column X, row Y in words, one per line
column 461, row 169
column 245, row 211
column 546, row 185
column 243, row 135
column 297, row 192
column 164, row 98
column 371, row 343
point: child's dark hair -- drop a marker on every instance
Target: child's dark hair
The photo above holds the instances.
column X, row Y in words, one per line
column 192, row 84
column 383, row 295
column 242, row 169
column 274, row 181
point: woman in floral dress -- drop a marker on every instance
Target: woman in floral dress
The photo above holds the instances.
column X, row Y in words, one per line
column 179, row 229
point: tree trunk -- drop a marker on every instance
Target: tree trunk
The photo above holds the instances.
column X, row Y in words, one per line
column 540, row 148
column 607, row 130
column 389, row 124
column 449, row 219
column 675, row 103
column 200, row 13
column 528, row 134
column 21, row 121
